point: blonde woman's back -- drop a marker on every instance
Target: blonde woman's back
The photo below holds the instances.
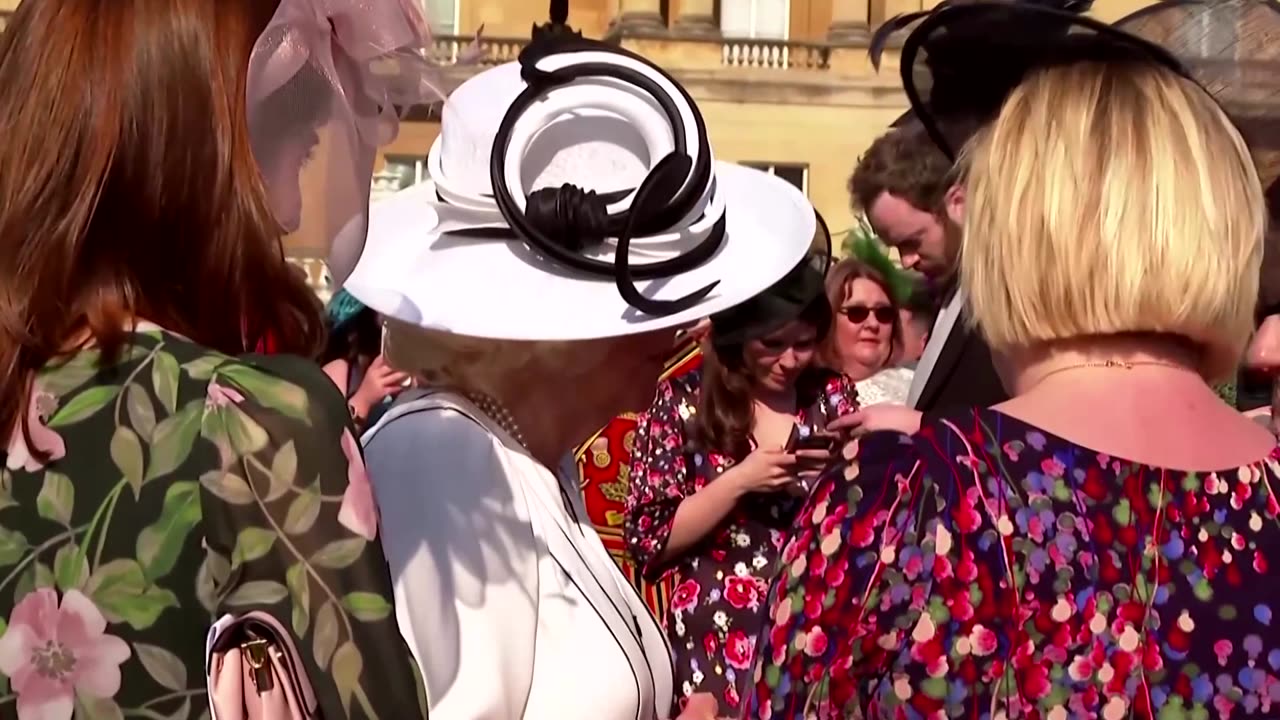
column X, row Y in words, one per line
column 1157, row 412
column 1100, row 545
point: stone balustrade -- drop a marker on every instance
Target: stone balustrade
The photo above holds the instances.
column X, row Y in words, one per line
column 747, row 53
column 775, row 54
column 447, row 49
column 751, row 53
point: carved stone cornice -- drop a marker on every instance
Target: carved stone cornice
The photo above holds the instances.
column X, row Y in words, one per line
column 834, row 73
column 792, row 89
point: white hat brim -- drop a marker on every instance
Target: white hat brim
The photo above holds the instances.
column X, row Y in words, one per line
column 500, row 289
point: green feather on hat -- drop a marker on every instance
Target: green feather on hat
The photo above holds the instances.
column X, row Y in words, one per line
column 861, row 243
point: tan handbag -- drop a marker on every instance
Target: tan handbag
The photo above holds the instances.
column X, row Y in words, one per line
column 255, row 672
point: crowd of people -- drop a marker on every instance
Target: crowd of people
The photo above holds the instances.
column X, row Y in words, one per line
column 995, row 481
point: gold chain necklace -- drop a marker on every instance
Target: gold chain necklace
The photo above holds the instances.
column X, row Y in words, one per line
column 1117, row 364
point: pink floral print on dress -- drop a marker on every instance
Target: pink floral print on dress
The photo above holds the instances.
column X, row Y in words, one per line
column 40, row 408
column 220, row 396
column 718, row 604
column 51, row 652
column 358, row 512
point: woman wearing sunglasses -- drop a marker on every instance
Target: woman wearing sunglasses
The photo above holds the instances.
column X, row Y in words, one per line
column 866, row 331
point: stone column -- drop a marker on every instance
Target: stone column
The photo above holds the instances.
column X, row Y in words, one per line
column 849, row 21
column 639, row 15
column 697, row 18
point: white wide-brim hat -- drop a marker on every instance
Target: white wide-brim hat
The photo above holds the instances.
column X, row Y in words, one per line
column 443, row 255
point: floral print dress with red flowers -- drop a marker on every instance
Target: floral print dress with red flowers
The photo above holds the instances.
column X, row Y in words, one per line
column 987, row 569
column 715, row 610
column 158, row 492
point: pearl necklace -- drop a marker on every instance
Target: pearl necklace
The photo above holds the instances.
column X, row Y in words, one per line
column 502, row 416
column 499, row 414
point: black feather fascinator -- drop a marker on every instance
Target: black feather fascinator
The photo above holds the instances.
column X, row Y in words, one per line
column 962, row 59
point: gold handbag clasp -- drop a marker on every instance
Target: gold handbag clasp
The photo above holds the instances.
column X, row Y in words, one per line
column 256, row 653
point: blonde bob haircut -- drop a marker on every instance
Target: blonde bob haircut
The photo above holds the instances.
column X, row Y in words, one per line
column 1108, row 199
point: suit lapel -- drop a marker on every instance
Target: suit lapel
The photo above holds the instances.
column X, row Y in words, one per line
column 945, row 365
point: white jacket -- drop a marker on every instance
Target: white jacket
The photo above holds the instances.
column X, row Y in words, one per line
column 511, row 604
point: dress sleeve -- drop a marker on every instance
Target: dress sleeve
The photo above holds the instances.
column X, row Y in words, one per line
column 854, row 578
column 291, row 529
column 659, row 480
column 464, row 561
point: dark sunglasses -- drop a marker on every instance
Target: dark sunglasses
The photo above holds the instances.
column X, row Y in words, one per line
column 860, row 313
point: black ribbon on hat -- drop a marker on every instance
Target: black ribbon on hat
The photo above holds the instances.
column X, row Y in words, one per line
column 560, row 223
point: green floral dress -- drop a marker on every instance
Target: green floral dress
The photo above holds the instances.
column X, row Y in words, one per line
column 180, row 486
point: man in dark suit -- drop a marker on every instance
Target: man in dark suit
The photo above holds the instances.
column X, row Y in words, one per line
column 906, row 187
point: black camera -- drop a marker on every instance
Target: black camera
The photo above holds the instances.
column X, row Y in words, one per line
column 807, row 437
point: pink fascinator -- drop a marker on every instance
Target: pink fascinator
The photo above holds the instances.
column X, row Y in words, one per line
column 340, row 70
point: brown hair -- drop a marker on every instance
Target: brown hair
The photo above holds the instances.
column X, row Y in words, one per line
column 725, row 412
column 130, row 190
column 838, row 280
column 903, row 162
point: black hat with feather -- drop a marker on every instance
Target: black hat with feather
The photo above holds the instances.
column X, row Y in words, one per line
column 962, row 59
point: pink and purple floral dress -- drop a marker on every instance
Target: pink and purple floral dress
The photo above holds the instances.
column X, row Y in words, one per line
column 164, row 490
column 985, row 569
column 716, row 607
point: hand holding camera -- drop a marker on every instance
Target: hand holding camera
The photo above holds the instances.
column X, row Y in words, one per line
column 875, row 418
column 790, row 469
column 812, row 449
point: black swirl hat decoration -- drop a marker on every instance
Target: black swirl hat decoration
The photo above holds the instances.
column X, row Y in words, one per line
column 573, row 194
column 677, row 197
